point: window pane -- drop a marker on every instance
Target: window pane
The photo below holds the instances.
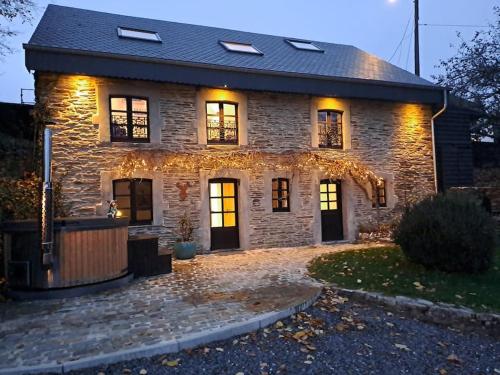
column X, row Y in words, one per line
column 275, row 194
column 143, row 215
column 284, row 194
column 275, row 203
column 322, row 116
column 230, row 220
column 123, row 202
column 216, row 220
column 332, row 196
column 240, row 47
column 139, row 34
column 213, row 109
column 324, row 206
column 322, row 188
column 275, row 184
column 228, row 189
column 229, row 204
column 215, row 205
column 119, row 104
column 122, row 187
column 215, row 189
column 332, row 187
column 284, row 184
column 333, row 205
column 143, row 201
column 229, row 109
column 143, row 187
column 323, row 197
column 284, row 203
column 140, row 105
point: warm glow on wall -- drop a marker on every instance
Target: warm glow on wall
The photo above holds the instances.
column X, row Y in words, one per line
column 222, row 95
column 412, row 116
column 81, row 84
column 330, row 103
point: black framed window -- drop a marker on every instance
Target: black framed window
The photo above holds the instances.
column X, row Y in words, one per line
column 134, row 198
column 379, row 196
column 330, row 129
column 281, row 194
column 222, row 123
column 129, row 119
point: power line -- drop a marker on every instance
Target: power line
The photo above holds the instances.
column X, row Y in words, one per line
column 409, row 48
column 448, row 25
column 402, row 39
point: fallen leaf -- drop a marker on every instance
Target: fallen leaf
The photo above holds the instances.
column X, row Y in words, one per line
column 143, row 372
column 459, row 296
column 402, row 347
column 418, row 286
column 341, row 327
column 127, row 371
column 173, row 363
column 389, row 324
column 279, row 324
column 219, row 349
column 454, row 359
column 299, row 335
column 496, row 371
column 359, row 281
column 240, row 373
column 307, row 362
column 206, row 350
column 443, row 372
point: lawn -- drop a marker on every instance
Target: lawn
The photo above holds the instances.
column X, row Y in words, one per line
column 386, row 270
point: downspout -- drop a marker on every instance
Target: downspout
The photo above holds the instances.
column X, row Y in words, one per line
column 440, row 112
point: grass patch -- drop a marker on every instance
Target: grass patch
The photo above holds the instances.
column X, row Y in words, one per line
column 386, row 270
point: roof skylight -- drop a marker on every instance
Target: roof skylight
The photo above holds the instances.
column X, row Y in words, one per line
column 125, row 32
column 305, row 45
column 240, row 47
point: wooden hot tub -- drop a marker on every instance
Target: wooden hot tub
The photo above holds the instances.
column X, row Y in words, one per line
column 86, row 251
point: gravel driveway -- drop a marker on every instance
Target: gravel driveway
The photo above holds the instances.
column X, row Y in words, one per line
column 335, row 336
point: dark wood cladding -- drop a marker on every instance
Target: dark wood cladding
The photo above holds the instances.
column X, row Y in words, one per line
column 454, row 148
column 90, row 256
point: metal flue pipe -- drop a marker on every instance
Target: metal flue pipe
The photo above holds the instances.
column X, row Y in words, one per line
column 47, row 213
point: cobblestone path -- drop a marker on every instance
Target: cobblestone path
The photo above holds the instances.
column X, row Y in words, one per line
column 207, row 292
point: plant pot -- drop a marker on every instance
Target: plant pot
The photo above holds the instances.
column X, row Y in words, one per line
column 185, row 250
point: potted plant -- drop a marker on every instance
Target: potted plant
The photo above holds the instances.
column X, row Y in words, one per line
column 185, row 248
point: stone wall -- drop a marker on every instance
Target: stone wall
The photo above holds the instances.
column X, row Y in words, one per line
column 392, row 139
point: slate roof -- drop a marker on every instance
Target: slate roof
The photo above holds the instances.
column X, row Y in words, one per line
column 94, row 32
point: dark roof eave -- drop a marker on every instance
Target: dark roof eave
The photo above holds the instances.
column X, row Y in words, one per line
column 70, row 61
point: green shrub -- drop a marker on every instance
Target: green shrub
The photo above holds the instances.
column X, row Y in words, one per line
column 450, row 232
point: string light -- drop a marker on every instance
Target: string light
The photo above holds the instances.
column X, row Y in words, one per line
column 162, row 161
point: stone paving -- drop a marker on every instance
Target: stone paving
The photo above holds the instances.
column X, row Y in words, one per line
column 205, row 293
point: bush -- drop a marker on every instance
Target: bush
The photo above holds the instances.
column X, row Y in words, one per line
column 450, row 232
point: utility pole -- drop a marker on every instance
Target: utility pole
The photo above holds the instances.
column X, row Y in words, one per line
column 417, row 44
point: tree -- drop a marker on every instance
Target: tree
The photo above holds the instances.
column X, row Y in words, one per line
column 474, row 74
column 10, row 10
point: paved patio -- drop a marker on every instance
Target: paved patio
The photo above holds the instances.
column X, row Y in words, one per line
column 201, row 297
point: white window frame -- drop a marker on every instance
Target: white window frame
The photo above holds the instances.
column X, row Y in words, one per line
column 124, row 32
column 304, row 45
column 233, row 47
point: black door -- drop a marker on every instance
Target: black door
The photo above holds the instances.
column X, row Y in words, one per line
column 224, row 231
column 331, row 210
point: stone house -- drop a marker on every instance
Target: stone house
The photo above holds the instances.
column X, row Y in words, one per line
column 263, row 141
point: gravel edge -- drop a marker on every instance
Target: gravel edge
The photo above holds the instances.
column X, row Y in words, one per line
column 432, row 312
